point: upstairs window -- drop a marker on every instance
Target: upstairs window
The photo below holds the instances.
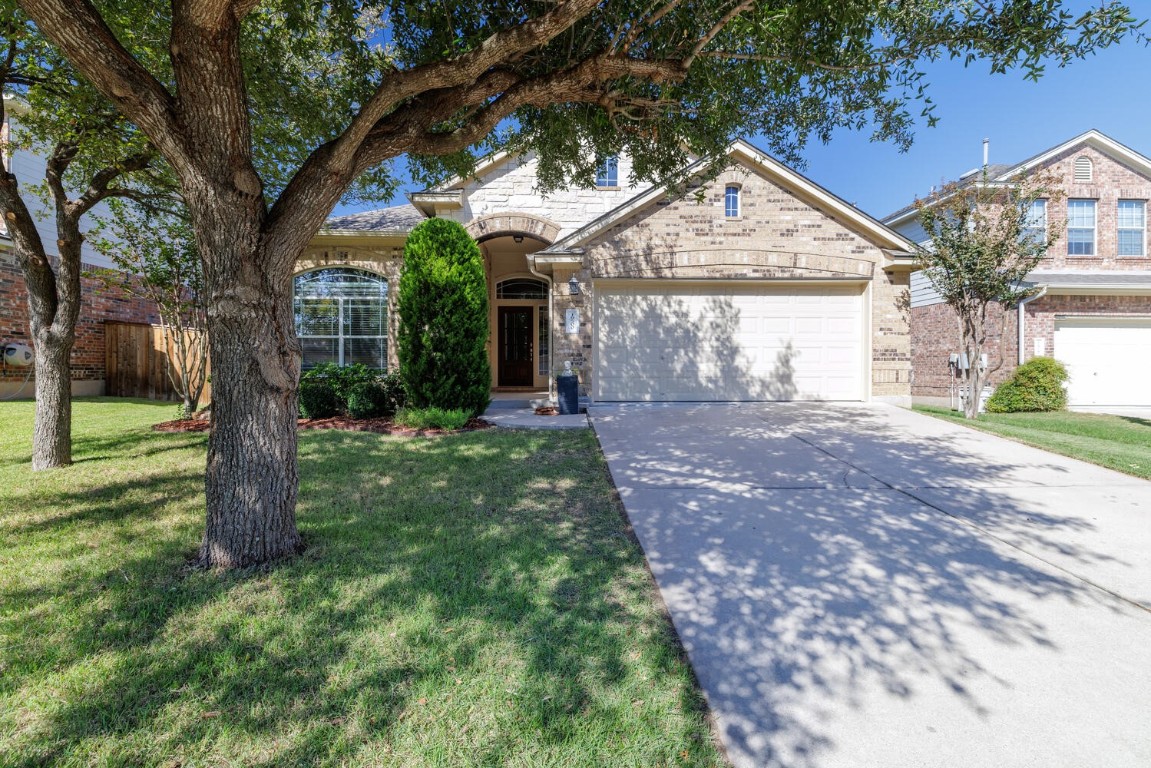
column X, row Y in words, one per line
column 1132, row 227
column 1035, row 225
column 607, row 174
column 1080, row 227
column 731, row 201
column 1084, row 170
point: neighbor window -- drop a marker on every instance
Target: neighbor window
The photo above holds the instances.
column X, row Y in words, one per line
column 731, row 201
column 1132, row 226
column 1035, row 225
column 1080, row 227
column 342, row 317
column 607, row 174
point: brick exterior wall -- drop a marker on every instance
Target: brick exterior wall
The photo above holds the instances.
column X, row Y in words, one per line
column 778, row 235
column 935, row 330
column 99, row 304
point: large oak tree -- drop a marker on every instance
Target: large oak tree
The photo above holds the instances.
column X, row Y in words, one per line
column 439, row 82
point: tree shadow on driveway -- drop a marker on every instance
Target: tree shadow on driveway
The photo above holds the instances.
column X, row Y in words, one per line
column 835, row 618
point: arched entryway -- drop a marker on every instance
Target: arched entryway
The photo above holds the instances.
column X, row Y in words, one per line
column 520, row 300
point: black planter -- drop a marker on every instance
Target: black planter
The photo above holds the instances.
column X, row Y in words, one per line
column 567, row 391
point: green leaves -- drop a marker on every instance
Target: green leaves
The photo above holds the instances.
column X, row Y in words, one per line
column 443, row 305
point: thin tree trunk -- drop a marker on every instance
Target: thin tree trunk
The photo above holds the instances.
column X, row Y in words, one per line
column 52, row 432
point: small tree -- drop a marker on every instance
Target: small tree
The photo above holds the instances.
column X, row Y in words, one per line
column 443, row 309
column 984, row 242
column 156, row 259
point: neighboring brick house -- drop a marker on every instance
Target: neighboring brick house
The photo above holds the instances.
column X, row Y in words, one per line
column 1092, row 307
column 768, row 288
column 99, row 305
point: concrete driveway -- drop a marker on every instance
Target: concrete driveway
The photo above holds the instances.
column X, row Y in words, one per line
column 863, row 586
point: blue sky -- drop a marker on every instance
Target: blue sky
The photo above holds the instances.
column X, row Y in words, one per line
column 1021, row 118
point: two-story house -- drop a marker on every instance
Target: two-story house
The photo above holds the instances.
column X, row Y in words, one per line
column 758, row 285
column 1091, row 308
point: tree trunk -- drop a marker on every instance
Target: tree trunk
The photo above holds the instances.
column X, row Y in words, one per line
column 252, row 473
column 52, row 433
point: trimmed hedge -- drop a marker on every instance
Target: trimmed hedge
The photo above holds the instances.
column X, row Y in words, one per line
column 355, row 390
column 318, row 399
column 443, row 331
column 1037, row 385
column 375, row 399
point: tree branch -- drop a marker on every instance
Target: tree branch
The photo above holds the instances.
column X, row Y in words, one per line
column 78, row 30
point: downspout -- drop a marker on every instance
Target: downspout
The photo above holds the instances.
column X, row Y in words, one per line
column 551, row 323
column 1022, row 318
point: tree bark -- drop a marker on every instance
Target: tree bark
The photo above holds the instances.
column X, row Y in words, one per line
column 52, row 431
column 252, row 472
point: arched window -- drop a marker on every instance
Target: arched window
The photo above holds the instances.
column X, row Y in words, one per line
column 521, row 288
column 342, row 317
column 1084, row 170
column 731, row 201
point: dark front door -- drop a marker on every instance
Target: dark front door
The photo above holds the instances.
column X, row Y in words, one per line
column 515, row 339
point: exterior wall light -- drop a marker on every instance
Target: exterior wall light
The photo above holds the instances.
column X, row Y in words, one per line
column 573, row 286
column 518, row 238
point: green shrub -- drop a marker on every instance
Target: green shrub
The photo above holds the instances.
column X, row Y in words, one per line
column 433, row 418
column 443, row 308
column 318, row 399
column 1037, row 385
column 375, row 399
column 342, row 378
column 393, row 385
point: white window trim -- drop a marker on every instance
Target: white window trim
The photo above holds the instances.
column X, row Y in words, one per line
column 738, row 202
column 1094, row 228
column 603, row 166
column 1142, row 233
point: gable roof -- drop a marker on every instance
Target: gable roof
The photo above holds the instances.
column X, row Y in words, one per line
column 1000, row 173
column 394, row 220
column 882, row 235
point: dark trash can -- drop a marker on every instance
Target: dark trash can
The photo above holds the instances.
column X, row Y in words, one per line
column 567, row 392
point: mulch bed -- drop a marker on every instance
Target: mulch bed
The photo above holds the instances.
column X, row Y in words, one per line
column 379, row 426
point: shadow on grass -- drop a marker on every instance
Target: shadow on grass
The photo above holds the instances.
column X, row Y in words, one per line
column 431, row 565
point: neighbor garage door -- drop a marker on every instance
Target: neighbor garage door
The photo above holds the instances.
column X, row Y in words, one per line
column 1109, row 360
column 668, row 341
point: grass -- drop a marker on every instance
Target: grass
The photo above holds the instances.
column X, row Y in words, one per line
column 1122, row 443
column 471, row 599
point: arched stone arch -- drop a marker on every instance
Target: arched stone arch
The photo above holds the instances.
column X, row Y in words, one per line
column 513, row 223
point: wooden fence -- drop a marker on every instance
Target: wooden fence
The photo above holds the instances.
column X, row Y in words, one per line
column 136, row 363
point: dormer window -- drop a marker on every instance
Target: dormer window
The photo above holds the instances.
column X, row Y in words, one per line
column 731, row 202
column 1084, row 170
column 607, row 174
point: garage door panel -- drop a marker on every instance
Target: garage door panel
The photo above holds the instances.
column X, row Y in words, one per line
column 1108, row 359
column 738, row 342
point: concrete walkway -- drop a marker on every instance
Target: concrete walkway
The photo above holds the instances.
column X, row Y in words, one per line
column 863, row 586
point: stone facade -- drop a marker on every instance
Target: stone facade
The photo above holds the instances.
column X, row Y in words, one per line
column 510, row 185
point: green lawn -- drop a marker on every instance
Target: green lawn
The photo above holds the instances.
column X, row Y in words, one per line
column 1118, row 442
column 471, row 599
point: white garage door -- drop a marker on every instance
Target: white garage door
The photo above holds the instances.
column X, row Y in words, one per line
column 663, row 341
column 1109, row 360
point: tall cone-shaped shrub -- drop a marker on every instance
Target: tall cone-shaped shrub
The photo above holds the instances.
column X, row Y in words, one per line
column 443, row 333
